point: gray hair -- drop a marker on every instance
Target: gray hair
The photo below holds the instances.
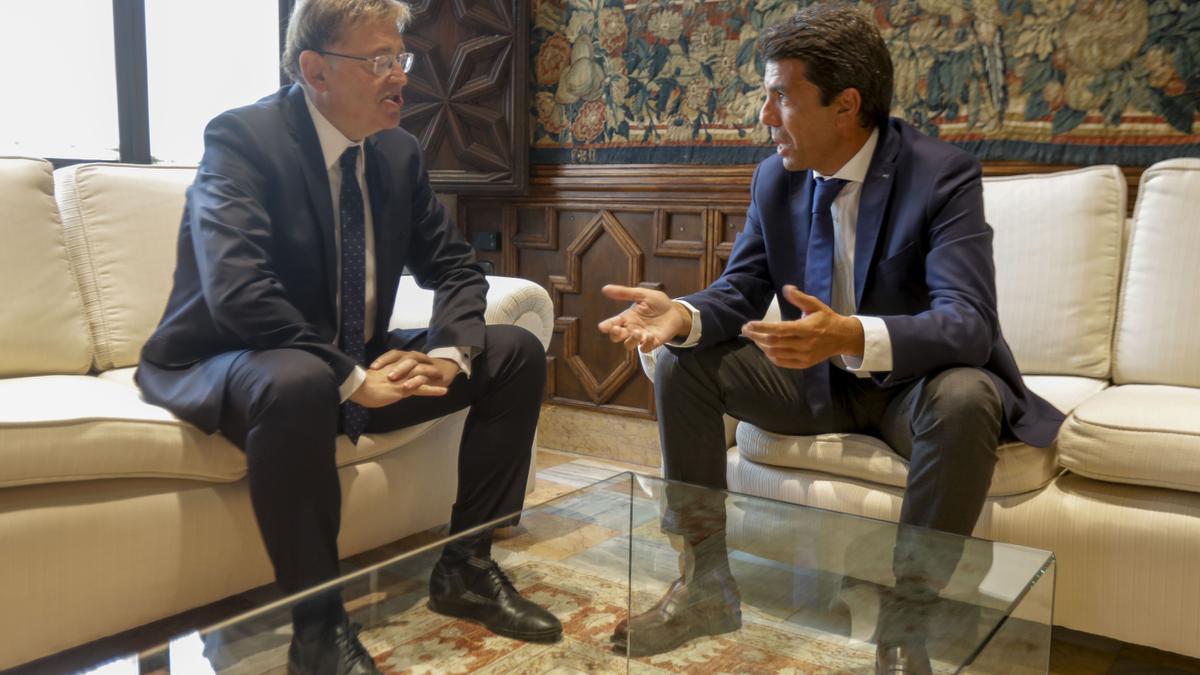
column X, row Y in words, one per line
column 314, row 24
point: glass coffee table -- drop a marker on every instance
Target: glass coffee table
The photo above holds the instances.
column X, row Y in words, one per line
column 819, row 592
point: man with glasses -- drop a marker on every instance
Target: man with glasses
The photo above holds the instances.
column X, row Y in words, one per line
column 381, row 64
column 306, row 208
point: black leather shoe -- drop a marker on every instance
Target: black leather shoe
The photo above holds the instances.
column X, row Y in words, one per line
column 478, row 590
column 331, row 649
column 709, row 605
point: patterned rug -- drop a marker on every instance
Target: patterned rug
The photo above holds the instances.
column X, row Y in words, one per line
column 405, row 637
column 419, row 641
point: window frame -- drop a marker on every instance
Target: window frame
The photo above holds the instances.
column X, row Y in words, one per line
column 133, row 98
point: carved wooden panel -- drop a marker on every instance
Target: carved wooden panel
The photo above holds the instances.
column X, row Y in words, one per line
column 465, row 98
column 572, row 239
column 580, row 227
column 724, row 225
column 600, row 387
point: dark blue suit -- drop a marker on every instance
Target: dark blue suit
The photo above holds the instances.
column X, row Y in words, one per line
column 922, row 262
column 257, row 267
column 247, row 343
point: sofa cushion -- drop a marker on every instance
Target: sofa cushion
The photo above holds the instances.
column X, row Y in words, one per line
column 68, row 428
column 1058, row 263
column 1138, row 434
column 42, row 329
column 1020, row 467
column 77, row 427
column 1157, row 322
column 122, row 225
column 1064, row 392
column 369, row 445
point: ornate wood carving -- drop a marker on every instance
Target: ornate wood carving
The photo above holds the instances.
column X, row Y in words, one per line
column 465, row 98
column 665, row 227
column 600, row 390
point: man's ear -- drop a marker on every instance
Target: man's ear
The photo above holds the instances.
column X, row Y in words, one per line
column 848, row 103
column 314, row 69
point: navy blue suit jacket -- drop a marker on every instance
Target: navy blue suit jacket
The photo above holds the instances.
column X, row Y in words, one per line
column 257, row 262
column 922, row 262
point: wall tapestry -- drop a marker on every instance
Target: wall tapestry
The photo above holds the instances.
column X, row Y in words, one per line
column 1047, row 81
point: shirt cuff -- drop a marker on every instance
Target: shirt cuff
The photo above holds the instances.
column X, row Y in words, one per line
column 352, row 382
column 693, row 337
column 877, row 348
column 459, row 355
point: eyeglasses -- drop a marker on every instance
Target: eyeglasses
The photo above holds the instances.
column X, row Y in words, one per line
column 380, row 65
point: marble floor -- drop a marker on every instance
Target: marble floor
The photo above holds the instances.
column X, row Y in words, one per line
column 559, row 473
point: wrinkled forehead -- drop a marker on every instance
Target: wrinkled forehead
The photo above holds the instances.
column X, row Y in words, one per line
column 374, row 35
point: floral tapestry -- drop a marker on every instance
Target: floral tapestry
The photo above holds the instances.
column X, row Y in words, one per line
column 1049, row 81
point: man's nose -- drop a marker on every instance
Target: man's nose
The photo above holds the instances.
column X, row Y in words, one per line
column 397, row 74
column 766, row 114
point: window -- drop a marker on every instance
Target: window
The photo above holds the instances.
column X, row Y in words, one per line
column 203, row 58
column 61, row 88
column 76, row 93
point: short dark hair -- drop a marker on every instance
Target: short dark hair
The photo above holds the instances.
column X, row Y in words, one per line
column 840, row 48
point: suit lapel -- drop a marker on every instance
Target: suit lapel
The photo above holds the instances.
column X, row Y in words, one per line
column 872, row 204
column 316, row 181
column 379, row 182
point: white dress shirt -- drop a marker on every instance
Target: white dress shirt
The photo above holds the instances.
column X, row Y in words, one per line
column 877, row 346
column 333, row 145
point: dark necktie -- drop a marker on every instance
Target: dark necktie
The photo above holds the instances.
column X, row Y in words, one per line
column 818, row 281
column 354, row 246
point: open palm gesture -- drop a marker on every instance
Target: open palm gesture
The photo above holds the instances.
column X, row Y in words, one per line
column 652, row 319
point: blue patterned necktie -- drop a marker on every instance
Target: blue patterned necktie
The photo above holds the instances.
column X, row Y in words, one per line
column 818, row 281
column 354, row 246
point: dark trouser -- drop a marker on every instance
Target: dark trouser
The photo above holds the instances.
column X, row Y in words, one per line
column 947, row 424
column 281, row 409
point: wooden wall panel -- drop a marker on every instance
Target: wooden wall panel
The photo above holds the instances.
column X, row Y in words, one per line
column 466, row 93
column 580, row 227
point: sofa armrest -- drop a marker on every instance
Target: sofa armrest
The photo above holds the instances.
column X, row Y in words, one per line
column 510, row 300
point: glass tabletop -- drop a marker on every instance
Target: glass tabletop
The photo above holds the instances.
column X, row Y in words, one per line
column 714, row 582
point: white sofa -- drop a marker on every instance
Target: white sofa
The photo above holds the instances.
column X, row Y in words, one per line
column 1103, row 315
column 114, row 513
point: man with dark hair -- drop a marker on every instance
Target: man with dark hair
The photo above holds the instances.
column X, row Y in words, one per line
column 306, row 208
column 872, row 236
